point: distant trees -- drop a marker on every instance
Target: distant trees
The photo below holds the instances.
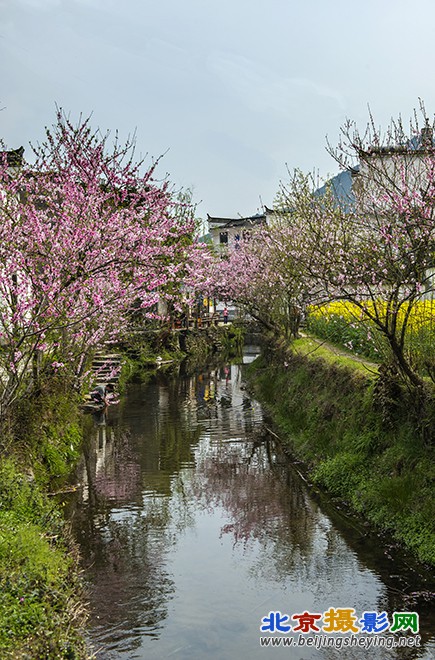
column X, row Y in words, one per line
column 84, row 235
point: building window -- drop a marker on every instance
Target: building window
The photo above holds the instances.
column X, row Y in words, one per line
column 223, row 237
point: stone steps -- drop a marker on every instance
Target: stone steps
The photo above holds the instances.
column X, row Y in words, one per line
column 106, row 368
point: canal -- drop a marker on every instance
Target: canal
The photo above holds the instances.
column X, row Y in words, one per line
column 194, row 527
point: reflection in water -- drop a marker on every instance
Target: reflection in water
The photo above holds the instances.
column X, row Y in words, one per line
column 193, row 527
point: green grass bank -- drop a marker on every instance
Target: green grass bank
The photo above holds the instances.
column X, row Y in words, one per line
column 362, row 438
column 41, row 594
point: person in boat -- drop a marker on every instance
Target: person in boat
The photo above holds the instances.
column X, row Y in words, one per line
column 102, row 394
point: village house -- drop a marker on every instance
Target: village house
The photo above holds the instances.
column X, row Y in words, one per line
column 227, row 231
column 384, row 168
column 381, row 169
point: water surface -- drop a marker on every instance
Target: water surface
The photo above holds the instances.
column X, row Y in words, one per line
column 193, row 528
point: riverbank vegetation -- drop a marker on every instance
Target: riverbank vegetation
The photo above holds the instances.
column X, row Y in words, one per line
column 42, row 609
column 359, row 438
column 41, row 597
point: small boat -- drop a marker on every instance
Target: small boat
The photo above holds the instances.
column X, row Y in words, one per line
column 93, row 407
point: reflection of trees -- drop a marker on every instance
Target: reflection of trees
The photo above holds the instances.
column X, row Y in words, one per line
column 109, row 464
column 123, row 553
column 125, row 559
column 267, row 504
column 131, row 508
column 222, row 405
column 238, row 477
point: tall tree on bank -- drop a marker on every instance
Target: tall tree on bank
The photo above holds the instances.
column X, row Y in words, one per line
column 377, row 250
column 84, row 234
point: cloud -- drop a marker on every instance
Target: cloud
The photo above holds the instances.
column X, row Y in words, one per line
column 245, row 158
column 43, row 5
column 263, row 89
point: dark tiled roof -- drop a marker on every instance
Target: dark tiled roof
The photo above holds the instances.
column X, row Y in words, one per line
column 257, row 219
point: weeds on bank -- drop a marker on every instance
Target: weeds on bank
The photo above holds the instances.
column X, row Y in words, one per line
column 360, row 446
column 48, row 435
column 41, row 598
column 40, row 612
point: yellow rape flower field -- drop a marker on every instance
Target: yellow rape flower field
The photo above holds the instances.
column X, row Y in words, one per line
column 346, row 324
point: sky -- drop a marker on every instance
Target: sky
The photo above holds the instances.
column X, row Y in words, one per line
column 232, row 93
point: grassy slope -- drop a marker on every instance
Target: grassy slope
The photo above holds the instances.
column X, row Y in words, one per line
column 41, row 596
column 359, row 441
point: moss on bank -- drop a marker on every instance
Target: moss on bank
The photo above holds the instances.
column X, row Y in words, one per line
column 360, row 440
column 223, row 341
column 41, row 596
column 143, row 351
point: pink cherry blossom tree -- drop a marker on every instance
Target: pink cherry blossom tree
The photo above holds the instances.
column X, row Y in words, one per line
column 86, row 232
column 374, row 249
column 257, row 275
